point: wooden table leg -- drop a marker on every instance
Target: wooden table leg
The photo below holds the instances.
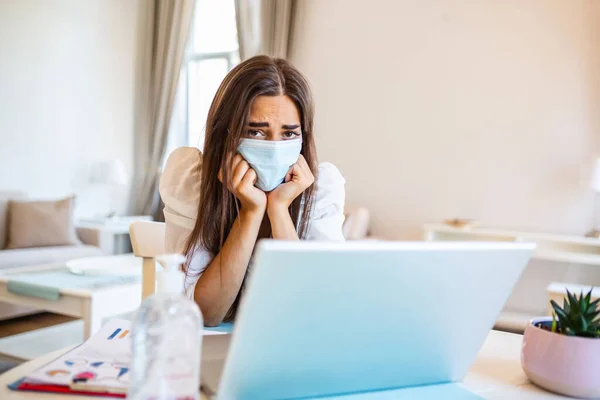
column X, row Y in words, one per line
column 92, row 319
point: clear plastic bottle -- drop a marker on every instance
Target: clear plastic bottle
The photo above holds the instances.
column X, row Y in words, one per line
column 166, row 340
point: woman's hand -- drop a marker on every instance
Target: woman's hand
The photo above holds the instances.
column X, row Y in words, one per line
column 297, row 180
column 242, row 186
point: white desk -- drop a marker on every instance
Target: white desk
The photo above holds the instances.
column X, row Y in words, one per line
column 496, row 374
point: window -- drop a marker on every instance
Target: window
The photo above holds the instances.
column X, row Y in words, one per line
column 212, row 53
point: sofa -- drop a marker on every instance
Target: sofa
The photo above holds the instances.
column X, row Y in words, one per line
column 15, row 258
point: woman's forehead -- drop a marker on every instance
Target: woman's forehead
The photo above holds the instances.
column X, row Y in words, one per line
column 274, row 108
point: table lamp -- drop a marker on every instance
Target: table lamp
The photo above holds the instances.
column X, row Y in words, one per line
column 595, row 184
column 110, row 173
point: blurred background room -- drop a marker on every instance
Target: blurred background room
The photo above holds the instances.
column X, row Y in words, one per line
column 449, row 119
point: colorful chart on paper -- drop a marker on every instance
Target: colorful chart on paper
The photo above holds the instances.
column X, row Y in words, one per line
column 103, row 360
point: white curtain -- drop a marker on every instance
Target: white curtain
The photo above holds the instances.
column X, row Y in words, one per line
column 264, row 27
column 165, row 29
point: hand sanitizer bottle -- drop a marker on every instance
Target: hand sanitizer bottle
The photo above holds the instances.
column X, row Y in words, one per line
column 167, row 340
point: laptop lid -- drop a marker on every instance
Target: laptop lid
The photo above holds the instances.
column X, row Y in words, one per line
column 332, row 318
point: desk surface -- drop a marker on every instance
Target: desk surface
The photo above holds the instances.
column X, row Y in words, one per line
column 496, row 374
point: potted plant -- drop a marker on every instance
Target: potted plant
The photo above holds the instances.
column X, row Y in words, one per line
column 562, row 353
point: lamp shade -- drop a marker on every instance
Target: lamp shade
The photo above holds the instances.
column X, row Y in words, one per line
column 596, row 177
column 111, row 172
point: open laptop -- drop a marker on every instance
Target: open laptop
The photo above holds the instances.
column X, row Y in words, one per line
column 321, row 318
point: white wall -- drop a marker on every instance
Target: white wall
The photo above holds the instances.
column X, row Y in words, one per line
column 66, row 93
column 466, row 108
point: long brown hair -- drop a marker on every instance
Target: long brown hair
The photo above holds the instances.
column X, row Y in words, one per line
column 225, row 126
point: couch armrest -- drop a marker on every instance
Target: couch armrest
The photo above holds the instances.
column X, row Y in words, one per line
column 90, row 236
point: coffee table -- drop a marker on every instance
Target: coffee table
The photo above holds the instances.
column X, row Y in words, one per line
column 91, row 305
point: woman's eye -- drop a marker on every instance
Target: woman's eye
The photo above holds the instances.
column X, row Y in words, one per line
column 253, row 133
column 290, row 134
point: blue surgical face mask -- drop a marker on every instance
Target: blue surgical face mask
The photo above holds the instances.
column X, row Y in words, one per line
column 270, row 159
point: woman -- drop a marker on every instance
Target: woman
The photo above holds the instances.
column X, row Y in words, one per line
column 257, row 178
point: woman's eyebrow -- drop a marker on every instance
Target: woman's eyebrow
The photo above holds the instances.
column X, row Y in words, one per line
column 258, row 124
column 290, row 126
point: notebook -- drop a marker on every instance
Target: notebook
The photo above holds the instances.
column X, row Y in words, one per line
column 98, row 367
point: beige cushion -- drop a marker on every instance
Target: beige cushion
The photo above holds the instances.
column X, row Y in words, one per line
column 41, row 223
column 4, row 198
column 45, row 255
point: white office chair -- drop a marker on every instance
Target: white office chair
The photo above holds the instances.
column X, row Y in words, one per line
column 147, row 241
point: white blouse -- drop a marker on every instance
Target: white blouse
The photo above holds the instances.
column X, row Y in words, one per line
column 180, row 191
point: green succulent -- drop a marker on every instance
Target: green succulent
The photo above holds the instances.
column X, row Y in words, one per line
column 577, row 317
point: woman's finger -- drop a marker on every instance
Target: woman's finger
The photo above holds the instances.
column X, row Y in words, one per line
column 297, row 174
column 302, row 161
column 235, row 161
column 306, row 169
column 238, row 173
column 290, row 174
column 304, row 165
column 233, row 164
column 249, row 178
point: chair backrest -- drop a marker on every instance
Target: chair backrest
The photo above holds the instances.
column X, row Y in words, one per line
column 147, row 241
column 356, row 225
